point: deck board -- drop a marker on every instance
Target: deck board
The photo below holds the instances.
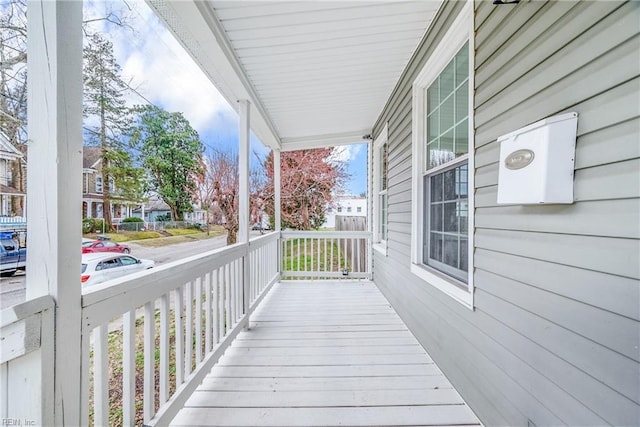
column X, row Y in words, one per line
column 324, row 354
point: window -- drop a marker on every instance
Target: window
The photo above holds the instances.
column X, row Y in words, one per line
column 127, row 260
column 98, row 184
column 349, row 209
column 380, row 185
column 442, row 181
column 330, row 210
column 359, row 209
column 339, row 208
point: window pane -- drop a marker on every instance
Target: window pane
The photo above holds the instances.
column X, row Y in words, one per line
column 435, row 248
column 446, row 221
column 462, row 64
column 436, row 217
column 447, row 114
column 462, row 139
column 433, row 98
column 464, row 255
column 462, row 102
column 450, row 217
column 449, row 178
column 447, row 80
column 436, row 188
column 446, row 148
column 447, row 133
column 450, row 251
column 433, row 125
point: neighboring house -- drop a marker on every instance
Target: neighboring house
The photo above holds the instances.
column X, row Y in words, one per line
column 152, row 209
column 92, row 187
column 8, row 187
column 345, row 205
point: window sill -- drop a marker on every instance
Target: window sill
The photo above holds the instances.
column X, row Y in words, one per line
column 380, row 247
column 444, row 285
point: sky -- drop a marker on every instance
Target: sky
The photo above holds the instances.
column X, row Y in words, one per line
column 155, row 64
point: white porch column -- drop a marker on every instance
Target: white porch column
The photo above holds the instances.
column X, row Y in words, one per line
column 243, row 170
column 243, row 203
column 89, row 209
column 55, row 189
column 277, row 190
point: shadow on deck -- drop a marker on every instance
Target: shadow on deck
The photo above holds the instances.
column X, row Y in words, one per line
column 321, row 354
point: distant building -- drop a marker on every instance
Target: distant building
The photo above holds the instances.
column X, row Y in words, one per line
column 345, row 205
column 8, row 186
column 92, row 188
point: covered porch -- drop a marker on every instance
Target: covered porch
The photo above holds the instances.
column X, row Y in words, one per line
column 236, row 336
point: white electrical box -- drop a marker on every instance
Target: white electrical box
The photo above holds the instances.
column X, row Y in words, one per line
column 537, row 162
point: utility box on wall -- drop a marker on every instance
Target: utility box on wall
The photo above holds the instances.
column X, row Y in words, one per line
column 537, row 162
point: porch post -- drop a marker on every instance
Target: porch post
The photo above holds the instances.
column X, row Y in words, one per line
column 54, row 177
column 277, row 189
column 243, row 203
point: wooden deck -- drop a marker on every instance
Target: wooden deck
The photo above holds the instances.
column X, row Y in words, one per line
column 324, row 354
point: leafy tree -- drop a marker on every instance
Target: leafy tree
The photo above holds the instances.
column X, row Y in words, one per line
column 171, row 152
column 109, row 121
column 308, row 179
column 13, row 77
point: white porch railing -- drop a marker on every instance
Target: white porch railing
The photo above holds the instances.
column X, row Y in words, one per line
column 13, row 220
column 26, row 363
column 191, row 311
column 325, row 255
column 161, row 331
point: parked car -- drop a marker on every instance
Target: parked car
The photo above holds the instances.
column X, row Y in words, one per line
column 12, row 256
column 100, row 267
column 104, row 246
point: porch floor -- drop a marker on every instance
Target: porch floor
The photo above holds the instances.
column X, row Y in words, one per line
column 324, row 354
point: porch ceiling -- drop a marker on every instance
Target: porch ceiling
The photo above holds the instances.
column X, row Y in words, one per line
column 316, row 73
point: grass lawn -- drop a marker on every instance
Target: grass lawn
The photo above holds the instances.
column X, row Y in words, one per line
column 157, row 239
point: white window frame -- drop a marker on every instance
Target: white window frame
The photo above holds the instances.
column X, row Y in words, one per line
column 99, row 185
column 458, row 34
column 379, row 244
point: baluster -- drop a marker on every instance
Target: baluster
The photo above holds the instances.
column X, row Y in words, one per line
column 221, row 297
column 227, row 300
column 149, row 361
column 216, row 310
column 129, row 368
column 100, row 376
column 207, row 299
column 233, row 293
column 198, row 332
column 188, row 333
column 179, row 321
column 164, row 348
column 353, row 254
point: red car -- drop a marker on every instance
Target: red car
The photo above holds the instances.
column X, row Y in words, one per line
column 104, row 246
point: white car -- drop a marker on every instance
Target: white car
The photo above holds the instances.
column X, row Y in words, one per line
column 103, row 266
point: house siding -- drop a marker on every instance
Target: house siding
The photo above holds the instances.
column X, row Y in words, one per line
column 555, row 334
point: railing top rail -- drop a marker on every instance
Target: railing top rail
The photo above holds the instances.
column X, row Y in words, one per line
column 265, row 239
column 101, row 303
column 326, row 234
column 26, row 309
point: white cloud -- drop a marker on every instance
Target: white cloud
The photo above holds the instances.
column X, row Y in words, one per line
column 158, row 67
column 346, row 153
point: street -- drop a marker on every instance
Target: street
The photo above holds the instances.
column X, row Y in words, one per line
column 13, row 290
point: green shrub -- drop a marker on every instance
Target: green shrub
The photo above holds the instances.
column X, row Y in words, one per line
column 163, row 217
column 93, row 225
column 88, row 226
column 133, row 219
